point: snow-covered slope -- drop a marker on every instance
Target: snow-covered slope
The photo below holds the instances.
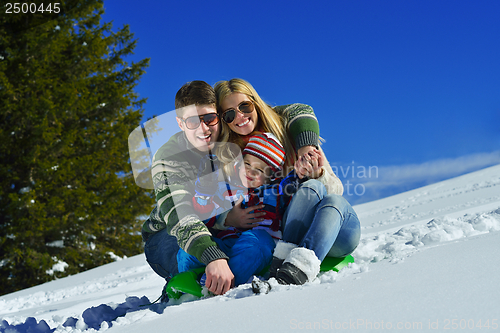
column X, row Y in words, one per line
column 428, row 261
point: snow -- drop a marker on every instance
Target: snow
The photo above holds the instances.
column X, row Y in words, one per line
column 427, row 261
column 59, row 266
column 57, row 243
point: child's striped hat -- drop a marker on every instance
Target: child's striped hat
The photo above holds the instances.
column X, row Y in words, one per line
column 268, row 148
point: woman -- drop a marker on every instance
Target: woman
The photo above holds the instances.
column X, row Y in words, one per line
column 318, row 221
column 245, row 113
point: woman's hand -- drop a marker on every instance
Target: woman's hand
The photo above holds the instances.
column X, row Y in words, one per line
column 242, row 217
column 309, row 163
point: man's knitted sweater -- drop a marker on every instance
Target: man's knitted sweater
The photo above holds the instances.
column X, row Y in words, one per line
column 174, row 171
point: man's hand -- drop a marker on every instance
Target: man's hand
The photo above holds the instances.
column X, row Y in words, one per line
column 219, row 277
column 242, row 217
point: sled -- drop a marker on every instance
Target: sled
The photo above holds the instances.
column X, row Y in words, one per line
column 187, row 282
column 335, row 264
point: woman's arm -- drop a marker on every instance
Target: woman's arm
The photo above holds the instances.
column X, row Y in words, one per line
column 301, row 124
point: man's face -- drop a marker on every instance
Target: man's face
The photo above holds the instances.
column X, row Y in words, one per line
column 204, row 136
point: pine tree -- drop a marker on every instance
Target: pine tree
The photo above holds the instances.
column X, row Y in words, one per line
column 67, row 106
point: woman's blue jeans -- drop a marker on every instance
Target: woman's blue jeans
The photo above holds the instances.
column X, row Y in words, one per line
column 324, row 223
column 248, row 254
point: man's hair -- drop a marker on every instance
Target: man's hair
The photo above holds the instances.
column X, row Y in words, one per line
column 194, row 92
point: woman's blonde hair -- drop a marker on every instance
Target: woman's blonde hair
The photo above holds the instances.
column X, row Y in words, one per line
column 268, row 121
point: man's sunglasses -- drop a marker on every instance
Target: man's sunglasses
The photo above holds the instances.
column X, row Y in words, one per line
column 244, row 107
column 210, row 119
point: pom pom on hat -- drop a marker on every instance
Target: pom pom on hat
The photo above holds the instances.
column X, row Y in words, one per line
column 268, row 148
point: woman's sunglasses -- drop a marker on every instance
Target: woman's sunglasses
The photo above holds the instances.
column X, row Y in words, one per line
column 244, row 107
column 210, row 119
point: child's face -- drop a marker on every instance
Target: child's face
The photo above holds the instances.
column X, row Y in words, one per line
column 254, row 172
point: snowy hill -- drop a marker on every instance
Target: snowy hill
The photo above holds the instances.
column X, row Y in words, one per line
column 428, row 261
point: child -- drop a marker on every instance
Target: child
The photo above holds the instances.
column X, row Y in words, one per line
column 254, row 180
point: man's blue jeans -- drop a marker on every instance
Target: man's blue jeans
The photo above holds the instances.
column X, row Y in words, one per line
column 161, row 253
column 248, row 254
column 324, row 223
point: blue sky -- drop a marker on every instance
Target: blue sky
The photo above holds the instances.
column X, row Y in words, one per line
column 410, row 89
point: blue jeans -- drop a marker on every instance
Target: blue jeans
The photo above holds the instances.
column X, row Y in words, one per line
column 161, row 253
column 324, row 223
column 248, row 254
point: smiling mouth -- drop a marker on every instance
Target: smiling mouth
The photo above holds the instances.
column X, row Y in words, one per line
column 244, row 123
column 205, row 137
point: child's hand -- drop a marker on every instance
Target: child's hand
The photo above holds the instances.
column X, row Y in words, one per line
column 309, row 164
column 242, row 218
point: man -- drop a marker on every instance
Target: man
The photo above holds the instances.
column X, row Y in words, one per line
column 174, row 223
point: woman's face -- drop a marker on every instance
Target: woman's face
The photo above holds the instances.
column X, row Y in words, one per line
column 244, row 123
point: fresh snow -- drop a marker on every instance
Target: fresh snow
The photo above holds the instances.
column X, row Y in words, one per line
column 427, row 261
column 59, row 266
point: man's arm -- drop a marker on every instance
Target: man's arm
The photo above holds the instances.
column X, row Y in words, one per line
column 174, row 190
column 174, row 178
